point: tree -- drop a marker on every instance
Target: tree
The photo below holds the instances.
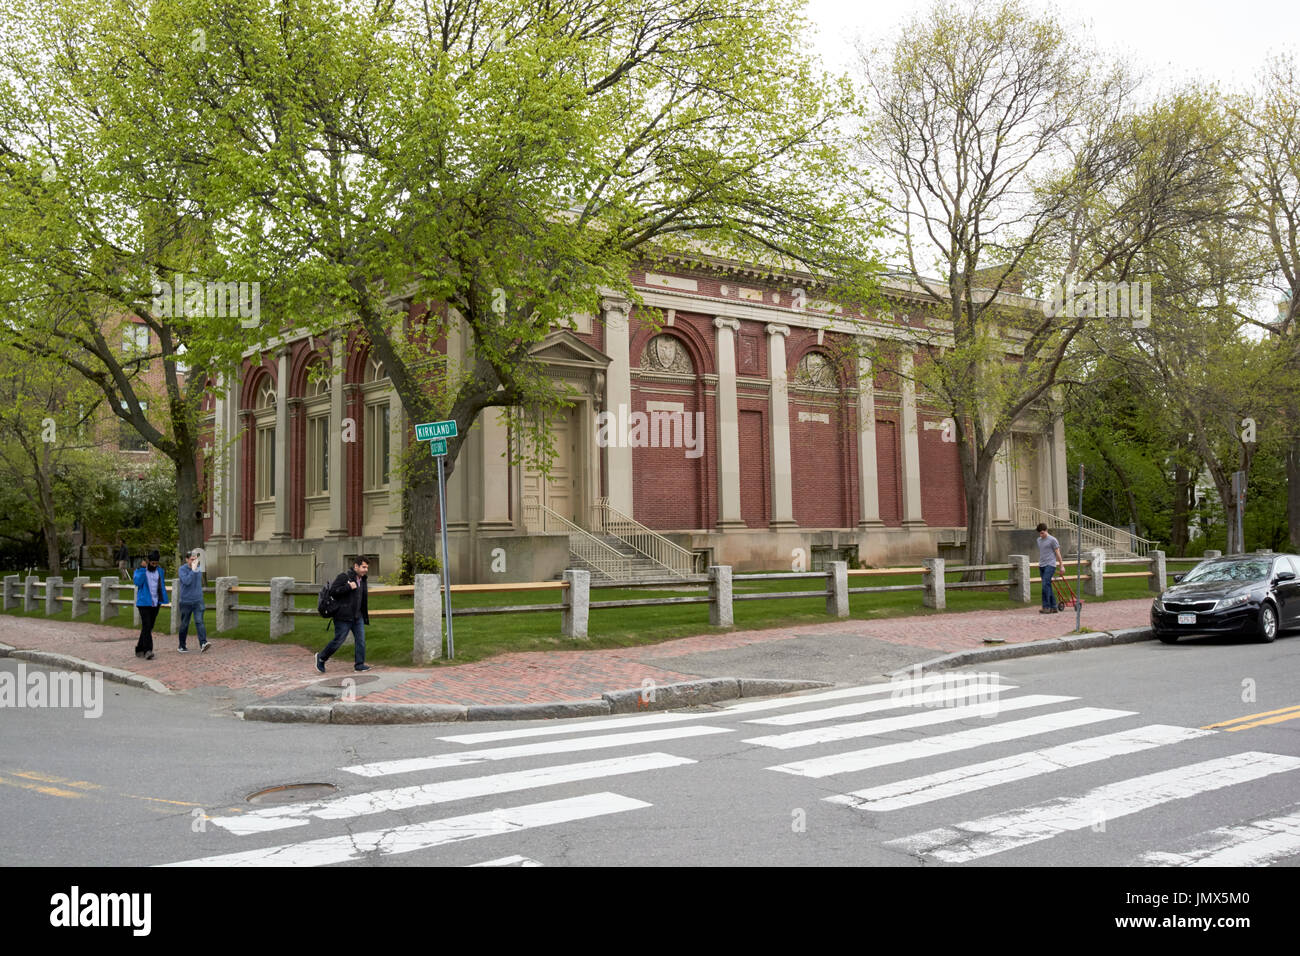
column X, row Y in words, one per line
column 1009, row 159
column 96, row 220
column 1268, row 160
column 46, row 443
column 505, row 164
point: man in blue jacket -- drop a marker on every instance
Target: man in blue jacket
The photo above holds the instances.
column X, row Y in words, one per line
column 150, row 596
column 353, row 615
column 189, row 595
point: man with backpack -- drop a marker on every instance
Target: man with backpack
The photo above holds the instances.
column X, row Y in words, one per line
column 346, row 603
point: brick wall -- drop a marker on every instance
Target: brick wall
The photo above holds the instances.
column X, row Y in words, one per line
column 888, row 474
column 943, row 502
column 755, row 468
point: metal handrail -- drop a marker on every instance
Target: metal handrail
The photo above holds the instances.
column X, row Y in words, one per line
column 539, row 518
column 609, row 520
column 1097, row 534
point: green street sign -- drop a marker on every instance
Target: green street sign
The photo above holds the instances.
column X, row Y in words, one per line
column 438, row 446
column 431, row 430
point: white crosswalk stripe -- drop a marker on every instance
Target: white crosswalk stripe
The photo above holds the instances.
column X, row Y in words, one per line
column 424, row 836
column 646, row 720
column 884, row 725
column 992, row 773
column 977, row 839
column 411, row 764
column 1249, row 844
column 856, row 718
column 908, row 750
column 515, row 860
column 957, row 696
column 407, row 798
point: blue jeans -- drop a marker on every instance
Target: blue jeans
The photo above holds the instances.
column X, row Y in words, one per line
column 195, row 611
column 341, row 629
column 1049, row 596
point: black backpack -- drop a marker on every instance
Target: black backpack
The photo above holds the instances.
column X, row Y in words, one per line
column 327, row 605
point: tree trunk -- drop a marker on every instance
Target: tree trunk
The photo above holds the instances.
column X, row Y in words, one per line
column 977, row 522
column 1293, row 493
column 189, row 504
column 420, row 504
column 1178, row 536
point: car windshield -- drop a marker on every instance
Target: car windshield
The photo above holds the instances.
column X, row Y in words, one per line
column 1228, row 571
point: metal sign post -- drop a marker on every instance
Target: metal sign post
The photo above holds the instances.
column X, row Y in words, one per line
column 446, row 564
column 436, row 434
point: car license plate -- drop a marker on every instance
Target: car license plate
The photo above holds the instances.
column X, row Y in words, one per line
column 1187, row 619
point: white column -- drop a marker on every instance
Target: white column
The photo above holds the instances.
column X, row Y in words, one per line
column 728, row 426
column 868, row 477
column 338, row 490
column 219, row 463
column 233, row 457
column 1001, row 487
column 1060, row 478
column 282, row 447
column 779, row 428
column 618, row 400
column 911, row 441
column 396, row 446
column 495, row 469
column 458, row 357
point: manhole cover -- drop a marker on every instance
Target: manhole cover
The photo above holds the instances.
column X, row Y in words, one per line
column 340, row 681
column 292, row 793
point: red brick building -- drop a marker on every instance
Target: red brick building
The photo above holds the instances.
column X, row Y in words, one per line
column 745, row 429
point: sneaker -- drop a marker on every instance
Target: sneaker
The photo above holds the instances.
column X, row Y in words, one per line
column 205, row 645
column 320, row 667
column 361, row 667
column 1045, row 610
column 148, row 655
column 139, row 654
column 183, row 650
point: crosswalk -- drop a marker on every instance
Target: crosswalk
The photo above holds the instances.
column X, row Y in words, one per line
column 927, row 763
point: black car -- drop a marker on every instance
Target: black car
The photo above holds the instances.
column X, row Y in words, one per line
column 1256, row 594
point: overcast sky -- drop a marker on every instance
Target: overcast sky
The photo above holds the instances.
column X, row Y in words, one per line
column 1222, row 41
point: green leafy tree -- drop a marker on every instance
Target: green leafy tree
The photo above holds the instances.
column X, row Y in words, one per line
column 1011, row 161
column 498, row 164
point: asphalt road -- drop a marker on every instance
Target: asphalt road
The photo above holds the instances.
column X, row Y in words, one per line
column 1099, row 757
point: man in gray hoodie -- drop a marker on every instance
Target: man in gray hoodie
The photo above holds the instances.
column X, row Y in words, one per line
column 189, row 596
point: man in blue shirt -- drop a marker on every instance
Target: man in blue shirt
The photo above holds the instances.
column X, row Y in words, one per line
column 150, row 596
column 1049, row 559
column 189, row 594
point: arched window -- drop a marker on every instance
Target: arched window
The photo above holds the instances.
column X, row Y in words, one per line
column 816, row 371
column 667, row 353
column 264, row 414
column 377, row 424
column 317, row 408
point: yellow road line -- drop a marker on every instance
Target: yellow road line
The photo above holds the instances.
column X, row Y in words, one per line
column 1261, row 723
column 50, row 778
column 41, row 788
column 1294, row 711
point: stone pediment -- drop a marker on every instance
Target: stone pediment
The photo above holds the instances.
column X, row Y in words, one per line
column 563, row 348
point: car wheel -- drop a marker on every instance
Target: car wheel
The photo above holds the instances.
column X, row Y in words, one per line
column 1267, row 623
column 1167, row 638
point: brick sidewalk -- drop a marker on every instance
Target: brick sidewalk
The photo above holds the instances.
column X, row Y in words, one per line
column 267, row 670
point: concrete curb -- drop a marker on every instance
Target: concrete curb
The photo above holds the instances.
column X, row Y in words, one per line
column 657, row 697
column 66, row 661
column 1000, row 652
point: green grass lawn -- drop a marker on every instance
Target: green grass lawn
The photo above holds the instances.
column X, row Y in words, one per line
column 388, row 640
